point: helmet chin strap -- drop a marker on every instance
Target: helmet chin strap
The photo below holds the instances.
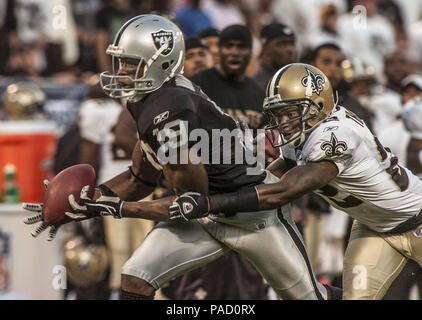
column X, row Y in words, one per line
column 298, row 141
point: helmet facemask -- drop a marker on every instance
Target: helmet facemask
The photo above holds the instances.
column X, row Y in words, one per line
column 157, row 46
column 307, row 110
column 142, row 83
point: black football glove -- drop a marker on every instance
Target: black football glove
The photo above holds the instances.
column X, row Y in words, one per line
column 108, row 204
column 39, row 217
column 189, row 206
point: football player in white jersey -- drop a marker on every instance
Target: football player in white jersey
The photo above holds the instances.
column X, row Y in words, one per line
column 328, row 150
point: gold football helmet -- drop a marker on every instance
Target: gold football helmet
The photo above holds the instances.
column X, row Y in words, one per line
column 85, row 264
column 23, row 101
column 298, row 98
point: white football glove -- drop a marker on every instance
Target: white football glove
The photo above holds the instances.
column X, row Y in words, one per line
column 39, row 216
column 108, row 204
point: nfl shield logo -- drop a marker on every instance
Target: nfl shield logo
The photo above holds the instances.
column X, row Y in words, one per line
column 187, row 207
column 417, row 233
column 161, row 38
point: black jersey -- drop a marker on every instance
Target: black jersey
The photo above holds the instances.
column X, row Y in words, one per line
column 181, row 106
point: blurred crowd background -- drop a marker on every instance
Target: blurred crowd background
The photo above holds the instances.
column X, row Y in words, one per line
column 53, row 51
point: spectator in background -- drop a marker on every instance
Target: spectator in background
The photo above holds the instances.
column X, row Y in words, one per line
column 392, row 132
column 9, row 41
column 328, row 57
column 192, row 19
column 224, row 13
column 302, row 17
column 361, row 79
column 27, row 56
column 47, row 43
column 415, row 44
column 243, row 97
column 108, row 21
column 84, row 12
column 392, row 11
column 258, row 14
column 239, row 96
column 367, row 35
column 197, row 56
column 278, row 50
column 411, row 88
column 412, row 98
column 211, row 37
column 411, row 142
column 386, row 103
column 62, row 50
column 328, row 30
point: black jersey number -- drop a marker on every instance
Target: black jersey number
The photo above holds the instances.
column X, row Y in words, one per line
column 397, row 173
column 331, row 192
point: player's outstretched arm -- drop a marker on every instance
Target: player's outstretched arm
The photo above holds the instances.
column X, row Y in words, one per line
column 182, row 177
column 293, row 184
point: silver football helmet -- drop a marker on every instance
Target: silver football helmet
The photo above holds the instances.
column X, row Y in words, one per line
column 158, row 46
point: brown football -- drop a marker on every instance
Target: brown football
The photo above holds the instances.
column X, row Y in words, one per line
column 69, row 181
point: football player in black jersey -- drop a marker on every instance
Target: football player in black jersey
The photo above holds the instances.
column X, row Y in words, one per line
column 148, row 53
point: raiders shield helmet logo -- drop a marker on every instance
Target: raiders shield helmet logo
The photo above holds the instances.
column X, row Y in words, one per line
column 161, row 38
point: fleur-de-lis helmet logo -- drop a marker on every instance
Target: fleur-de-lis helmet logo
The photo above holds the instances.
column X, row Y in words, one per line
column 317, row 83
column 333, row 147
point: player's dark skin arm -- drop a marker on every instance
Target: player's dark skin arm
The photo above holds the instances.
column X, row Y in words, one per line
column 295, row 183
column 183, row 178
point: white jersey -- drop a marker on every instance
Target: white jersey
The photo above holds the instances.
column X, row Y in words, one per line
column 97, row 118
column 370, row 185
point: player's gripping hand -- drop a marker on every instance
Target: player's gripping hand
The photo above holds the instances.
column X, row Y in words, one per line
column 39, row 217
column 188, row 206
column 108, row 204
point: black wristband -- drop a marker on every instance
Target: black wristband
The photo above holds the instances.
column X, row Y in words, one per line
column 231, row 203
column 106, row 191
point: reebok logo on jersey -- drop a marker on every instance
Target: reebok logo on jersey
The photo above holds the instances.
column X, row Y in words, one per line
column 330, row 128
column 317, row 81
column 163, row 38
column 161, row 117
column 333, row 147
